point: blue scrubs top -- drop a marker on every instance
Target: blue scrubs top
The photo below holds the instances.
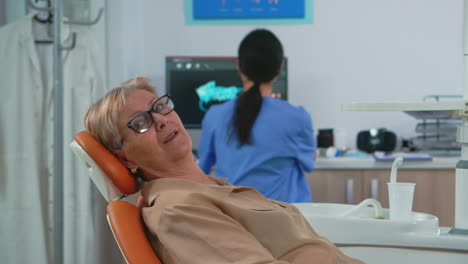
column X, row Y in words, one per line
column 283, row 148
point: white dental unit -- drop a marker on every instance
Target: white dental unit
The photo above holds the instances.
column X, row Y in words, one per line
column 360, row 231
column 367, row 232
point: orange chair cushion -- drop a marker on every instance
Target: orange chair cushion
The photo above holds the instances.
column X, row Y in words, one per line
column 128, row 228
column 112, row 167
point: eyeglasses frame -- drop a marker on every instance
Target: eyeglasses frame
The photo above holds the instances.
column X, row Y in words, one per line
column 151, row 110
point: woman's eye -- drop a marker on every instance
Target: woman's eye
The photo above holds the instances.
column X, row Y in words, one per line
column 158, row 107
column 138, row 124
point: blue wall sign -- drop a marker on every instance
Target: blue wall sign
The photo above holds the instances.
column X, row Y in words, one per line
column 248, row 12
column 209, row 9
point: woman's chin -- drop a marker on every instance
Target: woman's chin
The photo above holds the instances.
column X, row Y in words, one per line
column 185, row 151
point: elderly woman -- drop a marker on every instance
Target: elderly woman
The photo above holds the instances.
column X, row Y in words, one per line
column 193, row 217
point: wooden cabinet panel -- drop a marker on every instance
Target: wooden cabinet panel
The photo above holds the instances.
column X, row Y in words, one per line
column 336, row 186
column 434, row 192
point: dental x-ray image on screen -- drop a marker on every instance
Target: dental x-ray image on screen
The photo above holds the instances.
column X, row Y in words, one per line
column 197, row 83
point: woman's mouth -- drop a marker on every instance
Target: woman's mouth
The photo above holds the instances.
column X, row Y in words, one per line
column 171, row 137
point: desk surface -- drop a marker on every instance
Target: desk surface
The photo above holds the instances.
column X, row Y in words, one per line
column 370, row 163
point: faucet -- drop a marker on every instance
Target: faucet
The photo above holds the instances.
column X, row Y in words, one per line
column 367, row 202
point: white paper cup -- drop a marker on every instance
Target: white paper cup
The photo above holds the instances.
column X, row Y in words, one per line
column 340, row 138
column 401, row 200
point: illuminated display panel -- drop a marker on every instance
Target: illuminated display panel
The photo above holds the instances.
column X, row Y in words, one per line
column 196, row 83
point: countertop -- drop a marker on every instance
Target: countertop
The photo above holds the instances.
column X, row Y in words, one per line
column 345, row 163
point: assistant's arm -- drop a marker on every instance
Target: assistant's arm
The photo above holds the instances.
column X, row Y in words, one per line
column 305, row 142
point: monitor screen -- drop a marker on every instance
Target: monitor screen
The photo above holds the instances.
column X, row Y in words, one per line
column 196, row 83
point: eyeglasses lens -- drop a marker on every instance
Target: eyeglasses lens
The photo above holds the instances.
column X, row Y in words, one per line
column 163, row 106
column 141, row 123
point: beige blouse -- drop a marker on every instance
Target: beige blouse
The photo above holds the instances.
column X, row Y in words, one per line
column 194, row 223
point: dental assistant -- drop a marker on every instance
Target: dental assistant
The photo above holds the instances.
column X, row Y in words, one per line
column 257, row 140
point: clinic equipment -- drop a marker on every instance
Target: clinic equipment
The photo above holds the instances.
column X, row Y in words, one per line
column 458, row 108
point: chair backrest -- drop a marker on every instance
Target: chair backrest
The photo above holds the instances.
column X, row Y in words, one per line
column 128, row 229
column 113, row 180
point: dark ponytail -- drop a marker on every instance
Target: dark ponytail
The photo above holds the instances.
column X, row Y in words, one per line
column 260, row 57
column 248, row 106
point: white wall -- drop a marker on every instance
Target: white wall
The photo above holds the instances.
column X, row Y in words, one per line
column 13, row 10
column 356, row 50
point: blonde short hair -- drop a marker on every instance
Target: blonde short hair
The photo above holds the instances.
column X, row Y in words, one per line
column 102, row 118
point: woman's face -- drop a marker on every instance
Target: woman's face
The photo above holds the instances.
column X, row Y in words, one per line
column 161, row 147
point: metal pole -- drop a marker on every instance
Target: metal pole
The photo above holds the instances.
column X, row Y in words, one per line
column 461, row 172
column 58, row 136
column 465, row 47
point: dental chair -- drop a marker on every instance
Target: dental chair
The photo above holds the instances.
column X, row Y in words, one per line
column 114, row 182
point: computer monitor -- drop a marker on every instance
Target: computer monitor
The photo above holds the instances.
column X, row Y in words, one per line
column 197, row 83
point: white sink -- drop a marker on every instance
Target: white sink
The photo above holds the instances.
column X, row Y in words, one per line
column 362, row 227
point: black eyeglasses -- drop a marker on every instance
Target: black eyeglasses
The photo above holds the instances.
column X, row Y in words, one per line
column 143, row 121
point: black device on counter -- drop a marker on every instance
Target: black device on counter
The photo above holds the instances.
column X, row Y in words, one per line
column 325, row 138
column 376, row 140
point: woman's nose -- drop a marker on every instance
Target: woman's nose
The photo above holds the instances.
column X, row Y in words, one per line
column 159, row 121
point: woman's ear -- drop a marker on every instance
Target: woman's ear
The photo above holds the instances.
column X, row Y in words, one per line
column 122, row 156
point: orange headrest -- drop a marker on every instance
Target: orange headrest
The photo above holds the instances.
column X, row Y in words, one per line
column 120, row 177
